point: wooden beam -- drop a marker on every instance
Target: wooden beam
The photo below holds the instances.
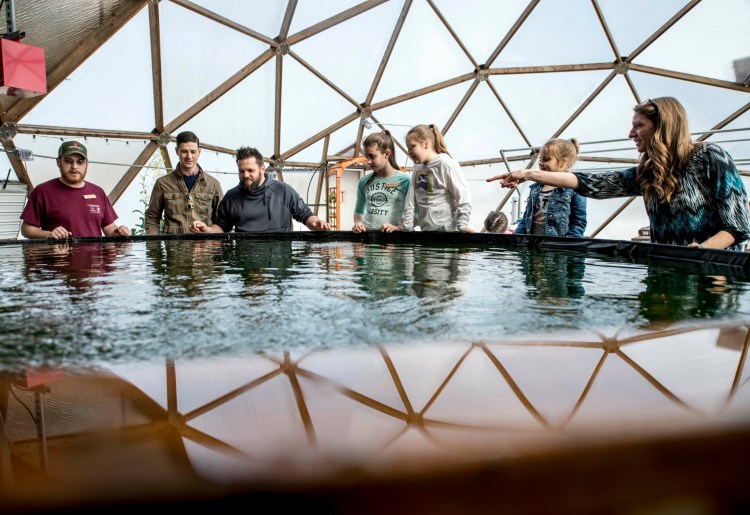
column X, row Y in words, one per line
column 153, row 19
column 699, row 79
column 18, row 166
column 612, row 217
column 384, row 128
column 81, row 132
column 79, row 54
column 509, row 113
column 165, row 157
column 388, row 51
column 551, row 68
column 323, row 174
column 277, row 105
column 333, row 21
column 291, row 6
column 492, row 161
column 592, row 159
column 197, row 9
column 607, row 33
column 10, row 148
column 461, row 105
column 423, row 91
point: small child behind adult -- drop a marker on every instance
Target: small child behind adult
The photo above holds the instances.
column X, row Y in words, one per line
column 496, row 222
column 554, row 211
column 381, row 194
column 439, row 195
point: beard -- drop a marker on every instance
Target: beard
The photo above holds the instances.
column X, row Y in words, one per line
column 251, row 185
column 73, row 179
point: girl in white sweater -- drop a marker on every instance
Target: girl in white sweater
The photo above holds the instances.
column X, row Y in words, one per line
column 439, row 197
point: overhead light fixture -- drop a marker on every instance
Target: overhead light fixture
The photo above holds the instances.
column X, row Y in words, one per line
column 22, row 66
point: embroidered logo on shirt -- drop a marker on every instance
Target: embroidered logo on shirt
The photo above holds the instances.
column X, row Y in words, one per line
column 94, row 209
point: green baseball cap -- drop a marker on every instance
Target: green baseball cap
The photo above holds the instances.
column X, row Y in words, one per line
column 71, row 147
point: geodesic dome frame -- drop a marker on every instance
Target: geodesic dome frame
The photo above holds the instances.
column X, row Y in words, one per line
column 305, row 81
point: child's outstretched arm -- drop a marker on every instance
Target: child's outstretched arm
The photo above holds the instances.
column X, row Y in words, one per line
column 556, row 179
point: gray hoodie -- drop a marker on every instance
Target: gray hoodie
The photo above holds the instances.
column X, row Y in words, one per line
column 270, row 208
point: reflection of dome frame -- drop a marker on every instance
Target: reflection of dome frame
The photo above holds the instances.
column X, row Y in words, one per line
column 172, row 420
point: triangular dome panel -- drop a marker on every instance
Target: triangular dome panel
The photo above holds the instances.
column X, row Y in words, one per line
column 482, row 128
column 605, row 118
column 532, row 105
column 200, row 383
column 365, row 35
column 479, row 395
column 264, row 420
column 226, row 120
column 554, row 392
column 684, row 49
column 422, row 378
column 622, row 399
column 424, row 54
column 365, row 372
column 266, row 21
column 694, row 367
column 629, row 27
column 481, row 28
column 299, row 126
column 307, row 14
column 191, row 50
column 540, row 41
column 120, row 99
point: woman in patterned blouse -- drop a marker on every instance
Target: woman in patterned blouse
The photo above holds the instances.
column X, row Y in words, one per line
column 693, row 193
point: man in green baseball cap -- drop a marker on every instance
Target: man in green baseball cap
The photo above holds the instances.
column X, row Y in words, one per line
column 72, row 147
column 70, row 207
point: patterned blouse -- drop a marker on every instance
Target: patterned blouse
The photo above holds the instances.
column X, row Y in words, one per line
column 712, row 198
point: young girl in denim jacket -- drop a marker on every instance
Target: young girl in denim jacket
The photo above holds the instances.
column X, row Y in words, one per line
column 554, row 211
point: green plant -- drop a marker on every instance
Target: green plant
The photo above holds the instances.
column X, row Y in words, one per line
column 154, row 169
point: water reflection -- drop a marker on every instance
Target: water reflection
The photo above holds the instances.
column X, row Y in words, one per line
column 75, row 265
column 185, row 267
column 263, row 265
column 671, row 296
column 384, row 270
column 555, row 279
column 440, row 272
column 280, row 420
column 209, row 297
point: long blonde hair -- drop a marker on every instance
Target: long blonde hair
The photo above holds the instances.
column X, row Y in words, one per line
column 668, row 152
column 429, row 133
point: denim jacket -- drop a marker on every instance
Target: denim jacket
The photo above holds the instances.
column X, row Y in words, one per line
column 566, row 213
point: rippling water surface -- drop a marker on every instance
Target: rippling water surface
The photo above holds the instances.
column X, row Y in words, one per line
column 95, row 303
